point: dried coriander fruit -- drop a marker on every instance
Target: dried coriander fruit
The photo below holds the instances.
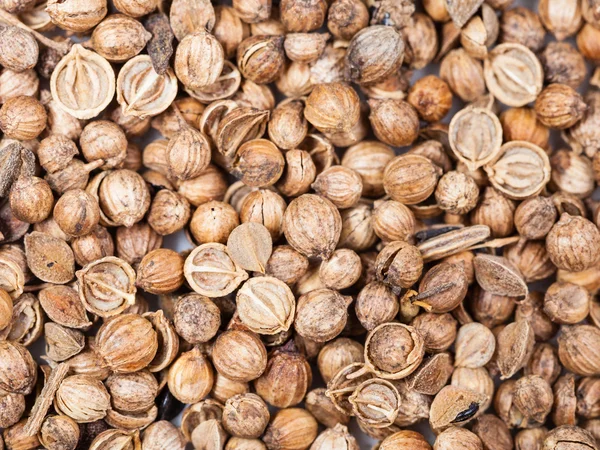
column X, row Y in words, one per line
column 22, row 118
column 163, row 433
column 562, row 23
column 196, row 318
column 31, row 199
column 59, row 432
column 189, row 17
column 138, row 354
column 475, row 136
column 514, row 347
column 286, row 378
column 160, row 271
column 375, row 402
column 321, row 314
column 394, row 122
column 141, row 91
column 312, row 225
column 18, row 370
column 49, row 258
column 575, row 344
column 463, row 74
column 210, row 270
column 190, row 377
column 513, row 74
column 521, row 124
column 290, row 428
column 82, row 398
column 107, row 286
column 399, row 264
column 373, row 54
column 261, row 58
column 245, row 416
column 498, row 276
column 76, row 212
column 258, row 163
column 568, row 435
column 443, row 288
column 72, row 92
column 519, row 170
column 323, row 409
column 474, row 346
column 454, row 405
column 333, row 107
column 393, row 350
column 410, row 179
column 572, row 243
column 239, row 355
column 21, row 56
column 266, row 305
column 119, row 38
column 559, row 106
column 198, row 60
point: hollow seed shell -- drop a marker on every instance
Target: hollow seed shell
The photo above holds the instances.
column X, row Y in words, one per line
column 497, row 275
column 266, row 305
column 250, row 246
column 49, row 258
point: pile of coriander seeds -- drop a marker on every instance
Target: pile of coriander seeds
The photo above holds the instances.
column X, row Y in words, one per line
column 384, row 210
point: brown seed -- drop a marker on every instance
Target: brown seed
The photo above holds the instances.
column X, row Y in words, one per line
column 454, row 405
column 196, row 318
column 333, row 107
column 49, row 258
column 513, row 74
column 76, row 212
column 93, row 280
column 22, row 118
column 139, row 352
column 456, row 438
column 568, row 435
column 521, row 124
column 239, row 355
column 69, row 93
column 475, row 345
column 261, row 58
column 393, row 350
column 463, row 74
column 572, row 243
column 498, row 276
column 210, row 270
column 432, row 375
column 442, row 288
column 515, row 162
column 290, row 429
column 562, row 23
column 305, row 216
column 17, row 368
column 375, row 402
column 399, row 264
column 575, row 349
column 401, row 182
column 245, row 416
column 321, row 314
column 190, row 377
column 303, row 17
column 559, row 106
column 515, row 346
column 286, row 378
column 31, row 199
